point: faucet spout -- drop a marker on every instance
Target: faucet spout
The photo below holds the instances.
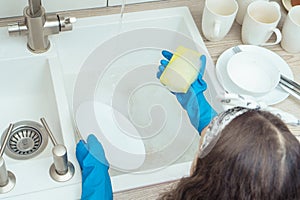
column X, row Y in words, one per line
column 34, row 7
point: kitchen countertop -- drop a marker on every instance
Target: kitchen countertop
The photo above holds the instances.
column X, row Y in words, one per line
column 215, row 49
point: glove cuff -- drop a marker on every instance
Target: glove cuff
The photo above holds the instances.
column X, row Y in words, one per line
column 96, row 183
column 206, row 113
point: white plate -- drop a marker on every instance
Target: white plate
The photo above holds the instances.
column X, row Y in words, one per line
column 276, row 95
column 124, row 147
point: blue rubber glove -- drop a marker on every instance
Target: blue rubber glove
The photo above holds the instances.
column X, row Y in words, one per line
column 96, row 182
column 193, row 101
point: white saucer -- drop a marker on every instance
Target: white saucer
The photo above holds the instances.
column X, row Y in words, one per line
column 276, row 95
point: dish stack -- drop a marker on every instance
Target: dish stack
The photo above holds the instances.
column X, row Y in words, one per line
column 255, row 71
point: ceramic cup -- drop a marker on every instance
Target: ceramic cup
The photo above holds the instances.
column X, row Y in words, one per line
column 291, row 31
column 217, row 18
column 260, row 23
column 243, row 5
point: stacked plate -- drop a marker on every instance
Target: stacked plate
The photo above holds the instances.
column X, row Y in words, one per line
column 255, row 71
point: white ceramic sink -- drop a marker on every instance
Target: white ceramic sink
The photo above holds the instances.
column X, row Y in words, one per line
column 110, row 63
column 27, row 94
column 30, row 91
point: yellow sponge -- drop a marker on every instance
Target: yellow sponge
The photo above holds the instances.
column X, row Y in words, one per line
column 182, row 70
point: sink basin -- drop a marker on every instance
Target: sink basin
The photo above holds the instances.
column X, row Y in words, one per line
column 27, row 94
column 114, row 62
column 104, row 71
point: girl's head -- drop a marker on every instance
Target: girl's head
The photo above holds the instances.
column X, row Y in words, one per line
column 254, row 157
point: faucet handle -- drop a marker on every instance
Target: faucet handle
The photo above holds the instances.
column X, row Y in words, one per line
column 66, row 23
column 17, row 29
column 7, row 178
column 61, row 170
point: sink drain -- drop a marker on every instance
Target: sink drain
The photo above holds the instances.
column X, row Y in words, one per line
column 27, row 140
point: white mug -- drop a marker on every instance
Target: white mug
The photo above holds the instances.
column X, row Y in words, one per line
column 217, row 18
column 243, row 5
column 260, row 23
column 291, row 31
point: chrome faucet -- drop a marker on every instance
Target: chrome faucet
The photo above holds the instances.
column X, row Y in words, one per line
column 38, row 26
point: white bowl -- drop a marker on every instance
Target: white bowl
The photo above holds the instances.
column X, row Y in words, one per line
column 252, row 73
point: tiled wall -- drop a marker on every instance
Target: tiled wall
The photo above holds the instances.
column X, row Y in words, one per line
column 9, row 8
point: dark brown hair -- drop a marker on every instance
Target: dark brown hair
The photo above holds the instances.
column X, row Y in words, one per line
column 255, row 158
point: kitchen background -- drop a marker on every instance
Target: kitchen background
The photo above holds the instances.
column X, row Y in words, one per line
column 87, row 8
column 10, row 8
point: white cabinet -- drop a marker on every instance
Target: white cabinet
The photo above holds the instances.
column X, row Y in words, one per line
column 119, row 2
column 9, row 8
